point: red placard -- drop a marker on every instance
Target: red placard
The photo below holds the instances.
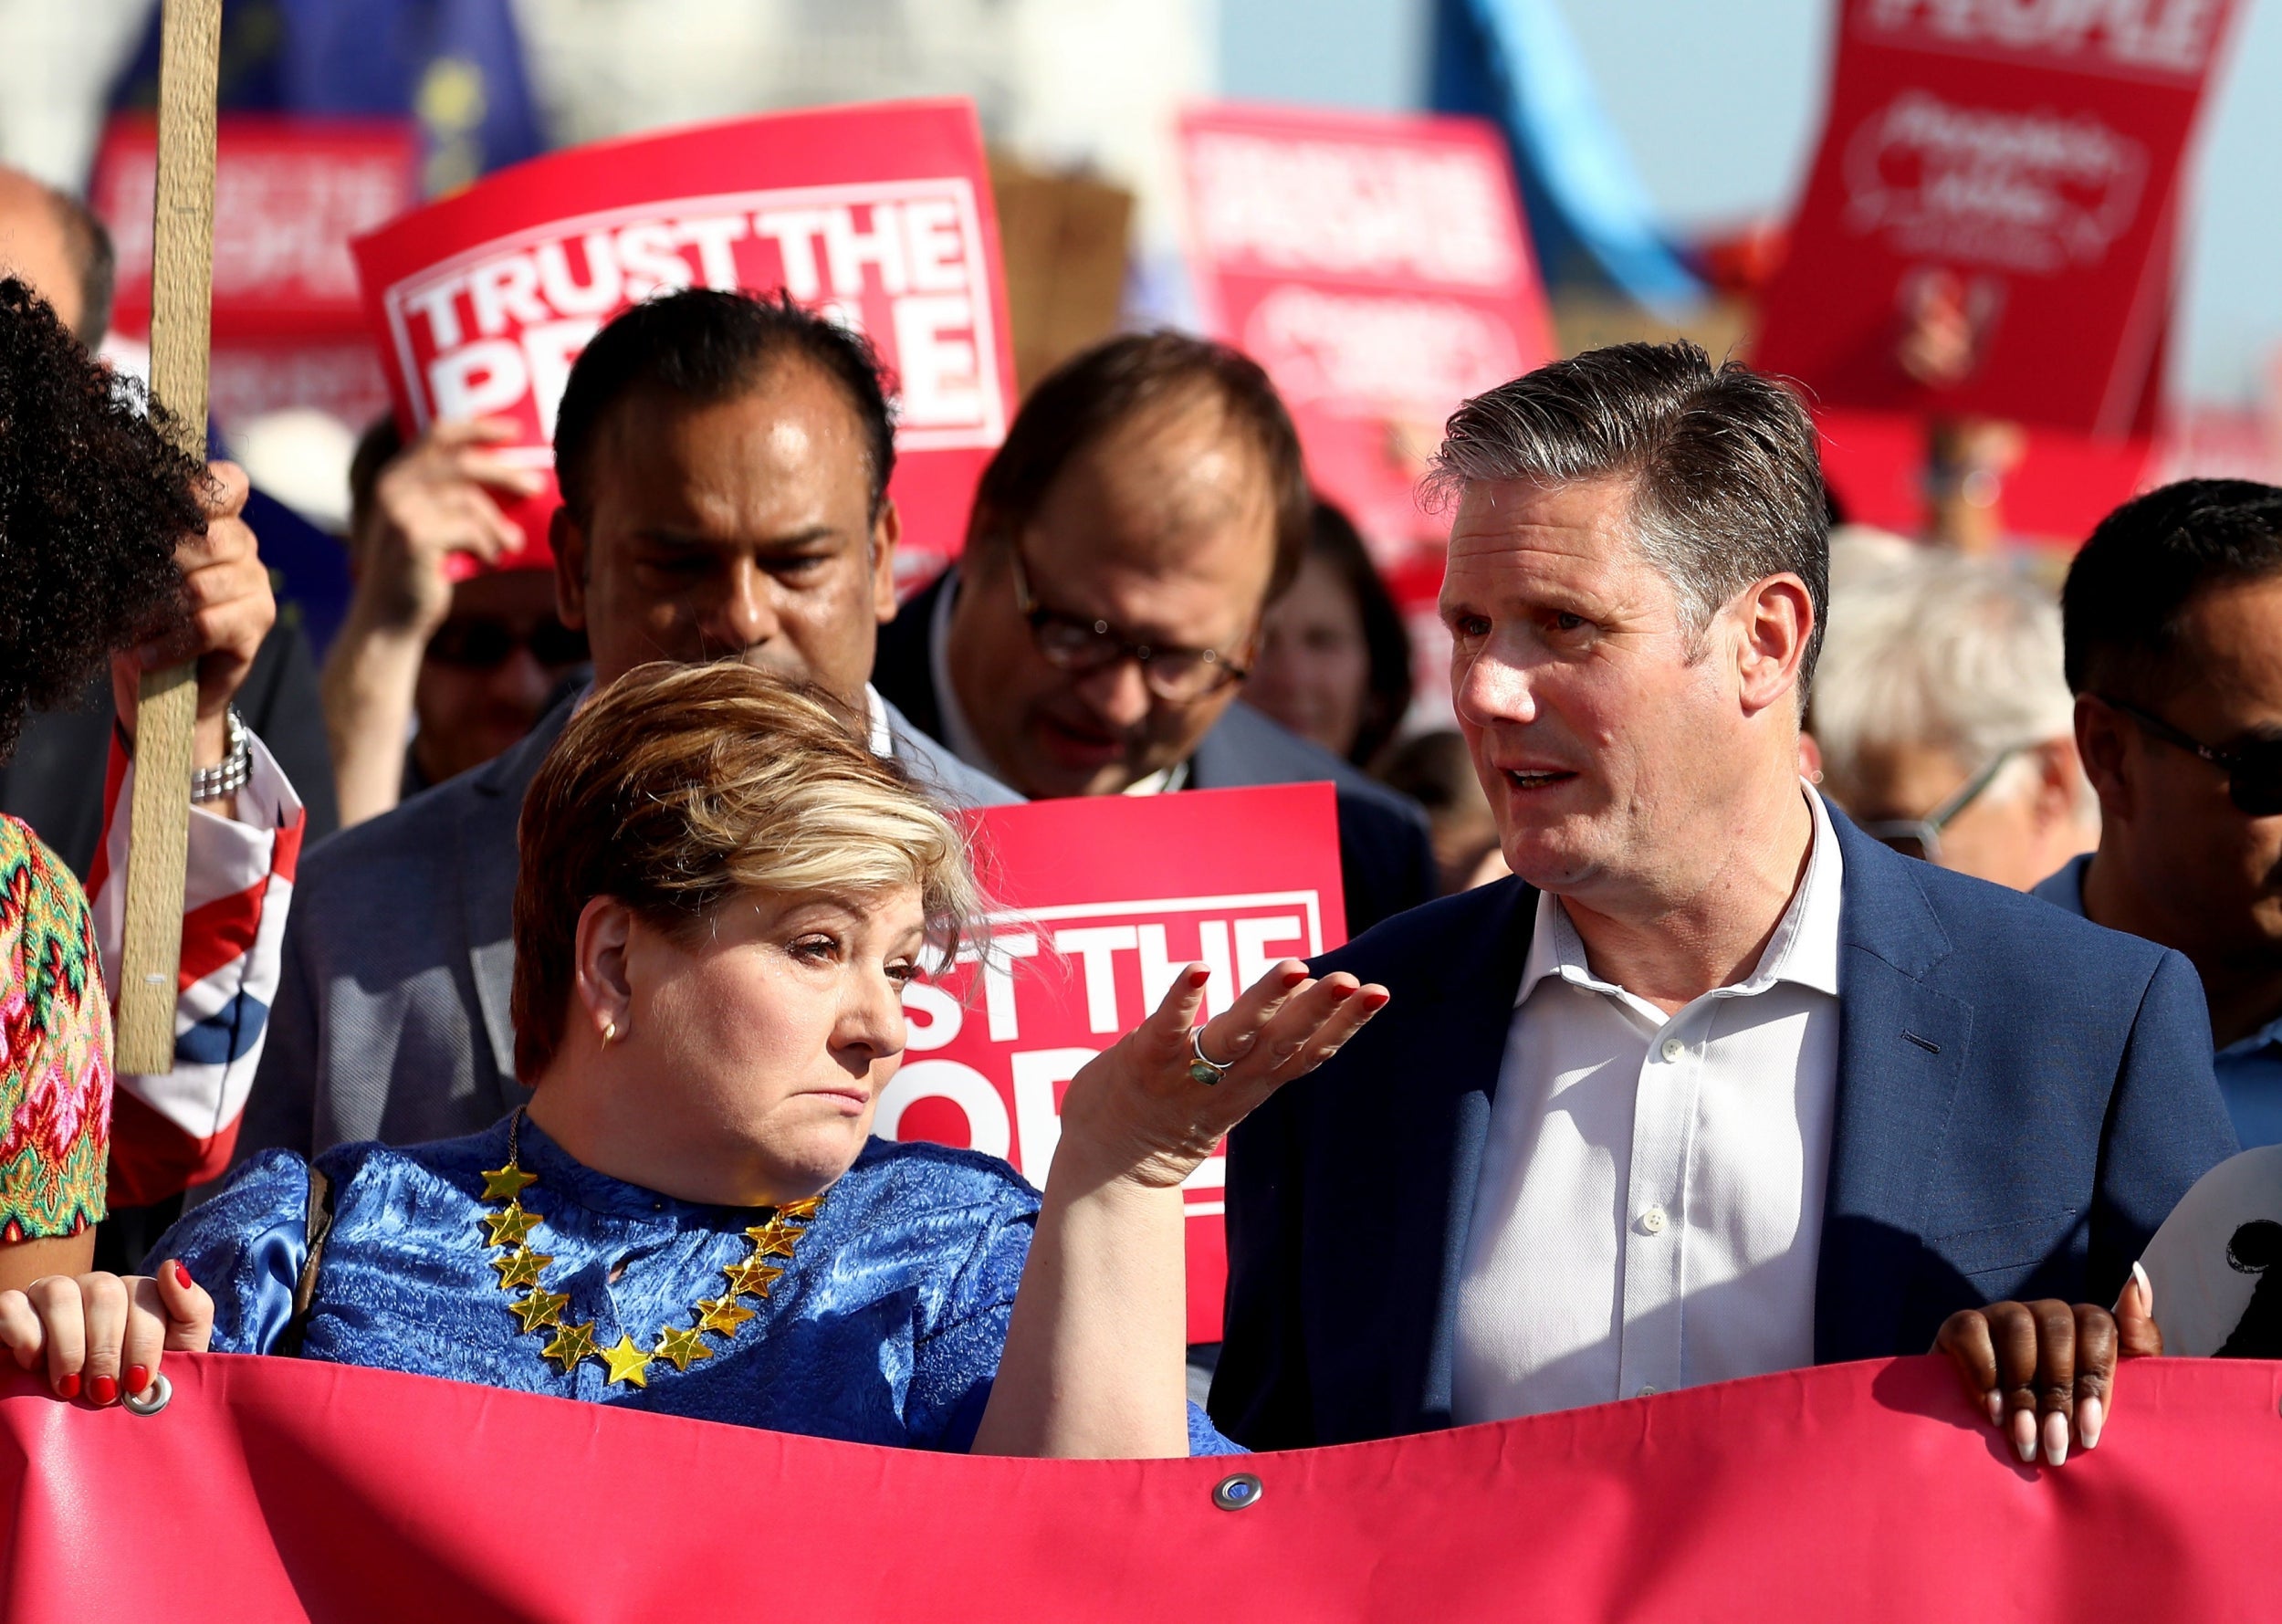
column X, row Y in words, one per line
column 289, row 194
column 881, row 215
column 1873, row 1494
column 1100, row 901
column 2004, row 176
column 1376, row 268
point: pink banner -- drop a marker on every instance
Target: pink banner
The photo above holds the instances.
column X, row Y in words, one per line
column 1086, row 942
column 271, row 1489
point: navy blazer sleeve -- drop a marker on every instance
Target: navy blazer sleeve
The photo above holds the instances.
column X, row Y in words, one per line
column 1260, row 1395
column 2166, row 1125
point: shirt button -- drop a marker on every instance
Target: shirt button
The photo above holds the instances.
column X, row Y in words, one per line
column 1672, row 1048
column 1652, row 1220
column 1648, row 1392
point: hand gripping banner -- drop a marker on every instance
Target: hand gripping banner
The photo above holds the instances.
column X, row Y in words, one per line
column 271, row 1489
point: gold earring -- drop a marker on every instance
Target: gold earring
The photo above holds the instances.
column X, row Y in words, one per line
column 609, row 1033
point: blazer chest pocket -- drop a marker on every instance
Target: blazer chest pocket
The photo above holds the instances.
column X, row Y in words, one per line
column 2019, row 1245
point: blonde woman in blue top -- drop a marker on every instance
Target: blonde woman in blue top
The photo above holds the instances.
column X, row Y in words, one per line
column 722, row 893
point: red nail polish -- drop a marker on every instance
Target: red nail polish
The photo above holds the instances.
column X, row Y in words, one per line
column 1293, row 978
column 102, row 1389
column 68, row 1387
column 181, row 1277
column 138, row 1379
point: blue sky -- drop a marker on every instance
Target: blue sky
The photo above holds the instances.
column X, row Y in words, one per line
column 1721, row 101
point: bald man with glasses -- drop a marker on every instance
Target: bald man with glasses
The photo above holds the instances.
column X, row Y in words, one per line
column 1147, row 506
column 2172, row 616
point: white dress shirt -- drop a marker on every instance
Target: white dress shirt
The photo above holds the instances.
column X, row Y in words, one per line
column 1649, row 1209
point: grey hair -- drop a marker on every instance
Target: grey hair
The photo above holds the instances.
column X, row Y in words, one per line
column 1722, row 463
column 1947, row 653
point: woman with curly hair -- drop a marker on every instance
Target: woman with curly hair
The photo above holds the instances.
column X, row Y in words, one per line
column 105, row 552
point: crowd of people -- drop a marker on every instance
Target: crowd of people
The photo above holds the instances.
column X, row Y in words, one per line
column 1804, row 947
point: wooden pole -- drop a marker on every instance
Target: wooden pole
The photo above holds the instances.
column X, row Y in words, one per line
column 182, row 310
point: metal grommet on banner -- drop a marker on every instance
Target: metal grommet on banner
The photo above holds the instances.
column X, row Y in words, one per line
column 1235, row 1493
column 152, row 1399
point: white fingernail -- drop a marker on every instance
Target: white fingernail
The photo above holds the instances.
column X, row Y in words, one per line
column 1994, row 1405
column 2089, row 1415
column 2024, row 1435
column 2055, row 1440
column 2147, row 1286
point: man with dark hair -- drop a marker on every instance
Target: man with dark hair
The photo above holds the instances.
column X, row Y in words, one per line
column 1146, row 506
column 2173, row 620
column 1715, row 1084
column 724, row 461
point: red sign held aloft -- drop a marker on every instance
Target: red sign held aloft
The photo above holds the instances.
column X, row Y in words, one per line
column 1376, row 268
column 1989, row 227
column 1086, row 942
column 880, row 216
column 289, row 194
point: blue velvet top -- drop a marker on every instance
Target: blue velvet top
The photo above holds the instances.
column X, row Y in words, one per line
column 884, row 1328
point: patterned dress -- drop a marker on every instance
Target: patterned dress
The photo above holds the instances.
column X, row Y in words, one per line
column 55, row 1047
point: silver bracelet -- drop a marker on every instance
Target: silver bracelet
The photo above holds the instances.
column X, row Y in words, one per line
column 233, row 771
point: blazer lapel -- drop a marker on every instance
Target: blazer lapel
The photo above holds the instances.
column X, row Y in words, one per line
column 1469, row 1017
column 1902, row 1049
column 487, row 876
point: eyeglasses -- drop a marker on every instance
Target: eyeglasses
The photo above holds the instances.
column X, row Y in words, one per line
column 1921, row 837
column 480, row 643
column 2254, row 771
column 1080, row 644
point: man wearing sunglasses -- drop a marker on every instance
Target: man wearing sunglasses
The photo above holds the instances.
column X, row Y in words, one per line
column 2174, row 619
column 1146, row 506
column 466, row 665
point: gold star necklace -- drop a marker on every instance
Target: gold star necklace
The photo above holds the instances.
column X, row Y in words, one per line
column 540, row 1310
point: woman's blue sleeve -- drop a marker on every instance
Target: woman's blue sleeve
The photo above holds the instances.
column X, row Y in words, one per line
column 1204, row 1438
column 246, row 1246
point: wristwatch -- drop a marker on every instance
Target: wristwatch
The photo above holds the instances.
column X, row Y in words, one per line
column 233, row 771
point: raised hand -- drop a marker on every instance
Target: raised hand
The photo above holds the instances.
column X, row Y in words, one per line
column 1139, row 1110
column 2041, row 1370
column 103, row 1334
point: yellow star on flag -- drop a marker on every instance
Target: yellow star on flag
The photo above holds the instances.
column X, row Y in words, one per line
column 510, row 1224
column 721, row 1314
column 773, row 1239
column 542, row 1307
column 505, row 1184
column 627, row 1363
column 682, row 1344
column 752, row 1277
column 520, row 1267
column 804, row 1209
column 571, row 1343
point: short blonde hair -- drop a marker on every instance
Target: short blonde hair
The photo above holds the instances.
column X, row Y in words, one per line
column 678, row 787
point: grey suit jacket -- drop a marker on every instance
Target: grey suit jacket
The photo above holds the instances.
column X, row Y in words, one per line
column 390, row 1021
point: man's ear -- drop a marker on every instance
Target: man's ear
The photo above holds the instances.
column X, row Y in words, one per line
column 567, row 538
column 599, row 963
column 887, row 533
column 1775, row 619
column 2099, row 742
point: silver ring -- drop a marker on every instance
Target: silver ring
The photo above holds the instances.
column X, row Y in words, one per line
column 152, row 1399
column 1204, row 1070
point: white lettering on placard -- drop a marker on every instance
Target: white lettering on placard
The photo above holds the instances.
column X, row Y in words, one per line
column 2169, row 36
column 1097, row 946
column 987, row 1129
column 1353, row 208
column 997, row 981
column 901, row 261
column 1383, row 353
column 550, row 348
column 2029, row 192
column 944, row 1017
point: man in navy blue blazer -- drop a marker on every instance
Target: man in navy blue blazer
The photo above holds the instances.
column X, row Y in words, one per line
column 1716, row 1085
